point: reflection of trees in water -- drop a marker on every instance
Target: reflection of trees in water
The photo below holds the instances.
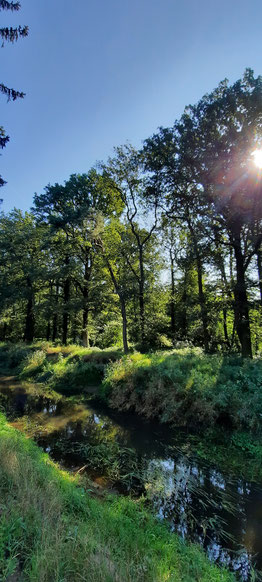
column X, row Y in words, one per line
column 202, row 505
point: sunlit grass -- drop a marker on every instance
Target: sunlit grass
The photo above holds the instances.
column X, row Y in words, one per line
column 187, row 387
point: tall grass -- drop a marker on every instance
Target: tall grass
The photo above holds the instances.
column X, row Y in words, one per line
column 52, row 531
column 65, row 368
column 187, row 387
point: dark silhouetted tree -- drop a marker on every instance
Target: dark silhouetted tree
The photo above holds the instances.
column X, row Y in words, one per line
column 9, row 34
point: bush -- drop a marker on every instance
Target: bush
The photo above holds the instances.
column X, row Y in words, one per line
column 11, row 356
column 187, row 387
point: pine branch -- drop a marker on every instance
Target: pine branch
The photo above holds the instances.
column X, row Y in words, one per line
column 11, row 94
column 13, row 34
column 13, row 6
column 3, row 138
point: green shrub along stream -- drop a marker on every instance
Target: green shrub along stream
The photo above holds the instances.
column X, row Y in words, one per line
column 183, row 387
column 187, row 387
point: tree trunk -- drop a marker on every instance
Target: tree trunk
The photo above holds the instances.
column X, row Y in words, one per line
column 48, row 331
column 65, row 312
column 85, row 334
column 124, row 324
column 87, row 274
column 123, row 307
column 201, row 295
column 225, row 326
column 202, row 301
column 55, row 316
column 172, row 302
column 74, row 325
column 141, row 296
column 183, row 317
column 225, row 290
column 259, row 269
column 241, row 301
column 30, row 319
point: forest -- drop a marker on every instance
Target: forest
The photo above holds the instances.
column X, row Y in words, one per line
column 130, row 353
column 153, row 248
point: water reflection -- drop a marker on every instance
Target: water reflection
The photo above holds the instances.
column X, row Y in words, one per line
column 199, row 502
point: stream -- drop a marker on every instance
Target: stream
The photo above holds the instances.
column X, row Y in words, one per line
column 125, row 454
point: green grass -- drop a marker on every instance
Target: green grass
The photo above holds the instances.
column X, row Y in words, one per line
column 188, row 388
column 52, row 530
column 64, row 368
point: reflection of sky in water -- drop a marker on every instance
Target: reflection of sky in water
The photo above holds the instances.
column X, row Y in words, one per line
column 198, row 501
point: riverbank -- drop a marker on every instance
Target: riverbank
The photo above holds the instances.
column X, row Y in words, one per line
column 219, row 397
column 188, row 388
column 184, row 387
column 52, row 529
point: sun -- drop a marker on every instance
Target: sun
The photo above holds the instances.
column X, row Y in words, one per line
column 257, row 155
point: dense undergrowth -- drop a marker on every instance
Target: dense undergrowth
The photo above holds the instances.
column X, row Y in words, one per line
column 189, row 388
column 64, row 368
column 52, row 530
column 182, row 387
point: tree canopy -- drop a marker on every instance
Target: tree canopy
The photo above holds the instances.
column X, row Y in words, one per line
column 154, row 247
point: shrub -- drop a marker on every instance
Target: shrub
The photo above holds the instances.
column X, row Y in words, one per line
column 188, row 387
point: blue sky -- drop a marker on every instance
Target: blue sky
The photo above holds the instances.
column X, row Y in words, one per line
column 98, row 73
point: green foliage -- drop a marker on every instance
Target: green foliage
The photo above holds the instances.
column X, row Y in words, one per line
column 187, row 387
column 70, row 368
column 11, row 356
column 155, row 247
column 108, row 458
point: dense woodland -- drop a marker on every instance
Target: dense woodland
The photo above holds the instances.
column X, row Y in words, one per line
column 153, row 247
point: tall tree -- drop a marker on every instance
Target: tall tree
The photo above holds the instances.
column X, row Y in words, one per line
column 75, row 210
column 21, row 265
column 210, row 150
column 127, row 171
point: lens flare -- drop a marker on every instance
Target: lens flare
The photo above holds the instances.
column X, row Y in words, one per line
column 257, row 155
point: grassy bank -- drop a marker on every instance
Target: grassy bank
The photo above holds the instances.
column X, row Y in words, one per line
column 51, row 530
column 188, row 388
column 183, row 387
column 69, row 369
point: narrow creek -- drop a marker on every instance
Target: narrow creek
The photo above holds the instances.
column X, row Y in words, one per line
column 127, row 454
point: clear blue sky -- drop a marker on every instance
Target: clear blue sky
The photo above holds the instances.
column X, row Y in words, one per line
column 97, row 73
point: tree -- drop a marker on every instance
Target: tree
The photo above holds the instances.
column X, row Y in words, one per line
column 208, row 152
column 21, row 265
column 127, row 171
column 110, row 244
column 75, row 213
column 9, row 34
